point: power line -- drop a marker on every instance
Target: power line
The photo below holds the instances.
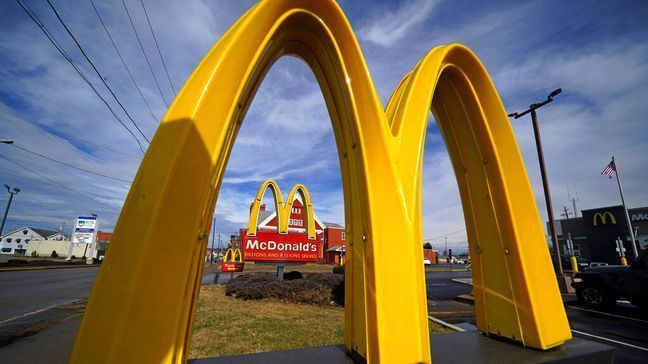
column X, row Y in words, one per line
column 145, row 56
column 158, row 47
column 96, row 70
column 53, row 182
column 70, row 165
column 448, row 234
column 59, row 48
column 155, row 119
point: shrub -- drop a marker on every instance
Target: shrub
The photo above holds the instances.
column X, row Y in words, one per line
column 314, row 289
column 34, row 254
column 17, row 262
column 427, row 246
column 338, row 269
column 54, row 254
column 293, row 275
column 73, row 257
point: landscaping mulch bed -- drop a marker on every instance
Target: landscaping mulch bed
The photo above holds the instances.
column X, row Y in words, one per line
column 322, row 289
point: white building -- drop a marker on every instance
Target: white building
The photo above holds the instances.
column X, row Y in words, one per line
column 17, row 241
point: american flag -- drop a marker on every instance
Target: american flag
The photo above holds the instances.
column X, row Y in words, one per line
column 609, row 170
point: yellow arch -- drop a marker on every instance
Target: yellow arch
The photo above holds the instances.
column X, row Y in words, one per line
column 231, row 254
column 253, row 223
column 136, row 299
column 282, row 210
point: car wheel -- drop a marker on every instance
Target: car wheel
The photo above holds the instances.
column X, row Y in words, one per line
column 595, row 296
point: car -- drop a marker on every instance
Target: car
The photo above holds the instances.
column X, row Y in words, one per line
column 597, row 264
column 601, row 287
column 427, row 262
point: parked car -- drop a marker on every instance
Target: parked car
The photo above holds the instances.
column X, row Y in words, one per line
column 602, row 286
column 427, row 262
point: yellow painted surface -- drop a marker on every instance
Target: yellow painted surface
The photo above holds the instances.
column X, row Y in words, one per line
column 624, row 261
column 233, row 255
column 142, row 303
column 283, row 210
column 574, row 264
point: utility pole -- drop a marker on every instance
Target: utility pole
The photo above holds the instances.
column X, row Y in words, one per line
column 446, row 248
column 11, row 192
column 211, row 254
column 565, row 213
column 573, row 201
column 543, row 172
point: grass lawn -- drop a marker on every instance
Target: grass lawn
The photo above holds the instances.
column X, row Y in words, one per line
column 227, row 326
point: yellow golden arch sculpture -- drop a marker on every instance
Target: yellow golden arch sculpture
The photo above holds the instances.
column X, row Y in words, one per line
column 283, row 210
column 143, row 301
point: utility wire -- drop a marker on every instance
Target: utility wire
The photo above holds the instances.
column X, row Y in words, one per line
column 53, row 181
column 96, row 70
column 70, row 165
column 145, row 56
column 158, row 47
column 155, row 118
column 59, row 48
column 441, row 236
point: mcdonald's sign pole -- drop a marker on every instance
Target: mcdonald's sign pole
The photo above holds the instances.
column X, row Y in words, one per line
column 543, row 172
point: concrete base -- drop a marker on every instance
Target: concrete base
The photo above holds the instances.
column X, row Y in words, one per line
column 456, row 347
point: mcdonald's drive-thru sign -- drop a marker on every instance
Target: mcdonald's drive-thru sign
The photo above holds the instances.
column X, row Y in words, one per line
column 295, row 243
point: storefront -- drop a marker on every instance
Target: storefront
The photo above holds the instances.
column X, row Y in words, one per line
column 594, row 235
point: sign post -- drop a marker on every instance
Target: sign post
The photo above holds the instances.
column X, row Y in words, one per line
column 85, row 232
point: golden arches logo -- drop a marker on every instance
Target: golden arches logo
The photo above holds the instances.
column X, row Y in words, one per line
column 381, row 157
column 602, row 218
column 231, row 254
column 282, row 210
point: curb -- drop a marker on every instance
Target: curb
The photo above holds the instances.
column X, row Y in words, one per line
column 465, row 298
column 446, row 324
column 12, row 269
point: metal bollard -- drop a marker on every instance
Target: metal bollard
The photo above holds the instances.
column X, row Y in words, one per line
column 574, row 264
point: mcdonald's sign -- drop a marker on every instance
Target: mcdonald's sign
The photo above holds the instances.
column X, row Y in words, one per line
column 230, row 262
column 602, row 218
column 292, row 233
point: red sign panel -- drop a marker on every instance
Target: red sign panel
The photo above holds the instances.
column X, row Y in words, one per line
column 270, row 246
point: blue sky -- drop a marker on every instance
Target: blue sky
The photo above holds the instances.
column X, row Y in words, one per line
column 596, row 51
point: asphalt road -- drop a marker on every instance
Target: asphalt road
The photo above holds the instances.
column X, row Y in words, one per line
column 622, row 326
column 27, row 291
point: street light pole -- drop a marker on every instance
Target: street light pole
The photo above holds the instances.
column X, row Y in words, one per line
column 543, row 172
column 11, row 195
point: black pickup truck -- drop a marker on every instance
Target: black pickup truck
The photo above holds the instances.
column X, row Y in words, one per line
column 602, row 286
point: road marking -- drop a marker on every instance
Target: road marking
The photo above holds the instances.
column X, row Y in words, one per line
column 26, row 314
column 608, row 314
column 446, row 324
column 437, row 284
column 610, row 340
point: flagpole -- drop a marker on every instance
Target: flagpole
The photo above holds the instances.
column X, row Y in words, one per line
column 625, row 210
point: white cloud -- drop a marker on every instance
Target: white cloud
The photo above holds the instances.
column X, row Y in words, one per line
column 387, row 27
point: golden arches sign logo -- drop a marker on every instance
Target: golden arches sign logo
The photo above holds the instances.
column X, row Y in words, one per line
column 602, row 217
column 381, row 158
column 232, row 254
column 282, row 209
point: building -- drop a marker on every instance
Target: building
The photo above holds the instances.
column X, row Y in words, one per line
column 16, row 242
column 595, row 233
column 334, row 243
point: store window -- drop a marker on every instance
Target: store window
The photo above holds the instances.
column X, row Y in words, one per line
column 8, row 240
column 344, row 235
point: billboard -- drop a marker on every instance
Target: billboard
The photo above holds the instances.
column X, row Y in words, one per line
column 270, row 246
column 84, row 230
